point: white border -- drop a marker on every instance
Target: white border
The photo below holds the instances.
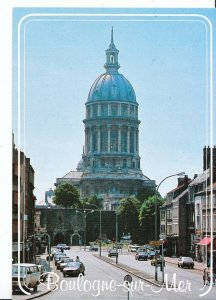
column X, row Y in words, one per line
column 208, row 26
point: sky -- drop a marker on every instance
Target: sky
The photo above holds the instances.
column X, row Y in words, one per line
column 164, row 58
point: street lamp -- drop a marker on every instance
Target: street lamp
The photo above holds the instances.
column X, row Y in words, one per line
column 178, row 174
column 98, row 209
column 84, row 214
column 116, row 237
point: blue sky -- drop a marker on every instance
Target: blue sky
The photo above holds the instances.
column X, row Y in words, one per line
column 165, row 61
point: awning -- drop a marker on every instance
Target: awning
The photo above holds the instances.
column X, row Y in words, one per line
column 205, row 241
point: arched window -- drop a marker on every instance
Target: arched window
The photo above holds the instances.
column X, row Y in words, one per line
column 104, row 139
column 114, row 140
column 94, row 140
column 124, row 140
column 112, row 59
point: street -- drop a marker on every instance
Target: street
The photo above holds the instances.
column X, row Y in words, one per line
column 105, row 281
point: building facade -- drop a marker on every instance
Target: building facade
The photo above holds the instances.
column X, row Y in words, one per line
column 23, row 174
column 110, row 164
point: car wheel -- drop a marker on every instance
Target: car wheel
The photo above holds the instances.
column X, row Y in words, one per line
column 64, row 275
column 178, row 266
column 35, row 288
column 83, row 273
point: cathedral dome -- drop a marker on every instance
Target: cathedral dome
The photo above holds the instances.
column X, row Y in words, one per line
column 114, row 87
column 111, row 85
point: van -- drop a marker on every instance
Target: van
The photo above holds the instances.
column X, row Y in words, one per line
column 29, row 276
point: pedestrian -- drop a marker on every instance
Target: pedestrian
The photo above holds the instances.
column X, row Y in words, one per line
column 77, row 259
column 205, row 276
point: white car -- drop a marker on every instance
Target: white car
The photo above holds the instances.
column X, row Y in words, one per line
column 29, row 276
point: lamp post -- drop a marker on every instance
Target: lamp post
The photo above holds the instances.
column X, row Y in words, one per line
column 98, row 209
column 162, row 262
column 116, row 237
column 48, row 246
column 156, row 234
column 85, row 214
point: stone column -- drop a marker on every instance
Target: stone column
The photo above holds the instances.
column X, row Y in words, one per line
column 90, row 139
column 108, row 130
column 86, row 140
column 135, row 147
column 137, row 134
column 99, row 139
column 109, row 113
column 128, row 140
column 119, row 139
column 99, row 110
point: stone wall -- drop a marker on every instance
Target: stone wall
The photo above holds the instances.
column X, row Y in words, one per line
column 65, row 225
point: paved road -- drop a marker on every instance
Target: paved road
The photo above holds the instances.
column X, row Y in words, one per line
column 104, row 281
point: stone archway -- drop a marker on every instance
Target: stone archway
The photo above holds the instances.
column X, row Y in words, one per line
column 59, row 238
column 76, row 239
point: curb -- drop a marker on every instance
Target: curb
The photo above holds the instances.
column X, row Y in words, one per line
column 37, row 296
column 129, row 271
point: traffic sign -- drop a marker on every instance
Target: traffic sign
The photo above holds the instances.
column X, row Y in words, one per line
column 128, row 278
column 155, row 243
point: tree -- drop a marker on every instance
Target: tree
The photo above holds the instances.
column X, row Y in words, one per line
column 147, row 217
column 128, row 212
column 92, row 202
column 66, row 195
column 144, row 193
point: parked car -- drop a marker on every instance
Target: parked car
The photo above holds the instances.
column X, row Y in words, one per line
column 29, row 276
column 119, row 246
column 112, row 252
column 74, row 269
column 43, row 272
column 64, row 262
column 133, row 248
column 159, row 261
column 141, row 255
column 93, row 248
column 59, row 261
column 59, row 256
column 187, row 262
column 152, row 254
column 63, row 246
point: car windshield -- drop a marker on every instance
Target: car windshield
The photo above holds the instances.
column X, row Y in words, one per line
column 15, row 270
column 188, row 258
column 73, row 264
column 142, row 252
column 66, row 259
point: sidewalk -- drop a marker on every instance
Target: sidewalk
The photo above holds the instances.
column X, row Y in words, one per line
column 197, row 265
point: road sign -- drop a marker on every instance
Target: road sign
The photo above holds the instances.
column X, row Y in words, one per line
column 155, row 243
column 128, row 278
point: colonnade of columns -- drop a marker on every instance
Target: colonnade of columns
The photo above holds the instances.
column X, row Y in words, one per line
column 112, row 139
column 112, row 109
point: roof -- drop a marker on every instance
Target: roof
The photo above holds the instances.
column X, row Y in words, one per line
column 180, row 196
column 73, row 174
column 200, row 178
column 112, row 87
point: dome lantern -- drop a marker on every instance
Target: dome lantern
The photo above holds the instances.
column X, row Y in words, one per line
column 112, row 64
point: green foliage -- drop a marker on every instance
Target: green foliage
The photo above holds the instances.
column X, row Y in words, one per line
column 128, row 212
column 91, row 202
column 147, row 217
column 145, row 193
column 66, row 195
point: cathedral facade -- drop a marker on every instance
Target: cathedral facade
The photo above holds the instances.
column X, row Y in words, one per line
column 110, row 164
